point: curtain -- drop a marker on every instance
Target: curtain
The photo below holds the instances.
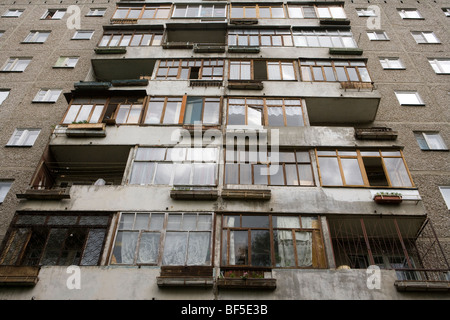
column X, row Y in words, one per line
column 199, row 248
column 304, row 248
column 175, row 248
column 149, row 247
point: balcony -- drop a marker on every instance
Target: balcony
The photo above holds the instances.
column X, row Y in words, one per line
column 201, row 37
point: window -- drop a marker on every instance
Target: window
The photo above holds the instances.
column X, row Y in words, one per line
column 265, row 112
column 260, row 37
column 4, row 189
column 262, row 70
column 257, row 11
column 37, row 37
column 16, row 64
column 430, row 141
column 361, row 168
column 323, row 70
column 145, row 12
column 54, row 14
column 272, row 241
column 83, row 35
column 199, row 11
column 440, row 66
column 284, row 168
column 297, row 11
column 13, row 13
column 446, row 11
column 58, row 239
column 409, row 13
column 409, row 98
column 425, row 37
column 85, row 109
column 391, row 63
column 23, row 137
column 96, row 12
column 175, row 166
column 66, row 62
column 183, row 110
column 377, row 35
column 47, row 95
column 366, row 12
column 445, row 191
column 324, row 38
column 4, row 93
column 132, row 39
column 208, row 69
column 183, row 239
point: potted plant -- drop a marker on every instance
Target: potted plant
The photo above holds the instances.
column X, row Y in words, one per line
column 388, row 197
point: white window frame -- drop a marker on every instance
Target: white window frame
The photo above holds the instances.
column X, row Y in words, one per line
column 12, row 63
column 427, row 143
column 377, row 35
column 23, row 137
column 401, row 93
column 409, row 13
column 365, row 12
column 445, row 195
column 5, row 186
column 34, row 35
column 96, row 12
column 59, row 13
column 78, row 34
column 446, row 11
column 47, row 95
column 66, row 62
column 12, row 13
column 437, row 65
column 4, row 93
column 424, row 37
column 391, row 63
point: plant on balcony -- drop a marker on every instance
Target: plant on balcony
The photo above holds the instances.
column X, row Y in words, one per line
column 388, row 197
column 245, row 280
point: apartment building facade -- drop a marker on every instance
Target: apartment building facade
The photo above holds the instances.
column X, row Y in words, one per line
column 219, row 150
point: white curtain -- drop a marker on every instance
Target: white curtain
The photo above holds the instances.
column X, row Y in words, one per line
column 199, row 248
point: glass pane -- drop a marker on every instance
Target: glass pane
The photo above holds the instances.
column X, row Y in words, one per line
column 329, row 74
column 306, row 176
column 260, row 246
column 126, row 221
column 199, row 250
column 295, row 12
column 273, row 71
column 194, row 108
column 231, row 173
column 275, row 116
column 175, row 248
column 329, row 172
column 303, row 241
column 291, row 175
column 238, row 248
column 156, row 221
column 141, row 221
column 182, row 174
column 125, row 247
column 94, row 244
column 204, row 222
column 254, row 116
column 277, row 175
column 189, row 222
column 318, row 75
column 294, row 117
column 174, row 221
column 163, row 173
column 260, row 174
column 149, row 247
column 287, row 71
column 150, row 154
column 284, row 248
column 172, row 112
column 72, row 113
column 352, row 172
column 204, row 174
column 211, row 112
column 340, row 71
column 154, row 112
column 245, row 174
column 397, row 172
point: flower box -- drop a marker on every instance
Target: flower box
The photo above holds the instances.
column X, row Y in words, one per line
column 249, row 283
column 388, row 199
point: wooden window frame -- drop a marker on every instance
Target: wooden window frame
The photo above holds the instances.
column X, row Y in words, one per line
column 162, row 236
column 260, row 35
column 190, row 162
column 203, row 63
column 265, row 107
column 257, row 7
column 333, row 66
column 318, row 251
column 184, row 99
column 268, row 163
column 143, row 8
column 105, row 106
column 362, row 169
column 132, row 34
